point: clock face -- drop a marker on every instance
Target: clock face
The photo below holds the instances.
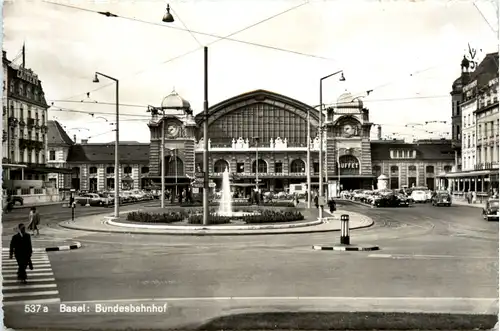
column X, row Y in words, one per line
column 348, row 130
column 173, row 130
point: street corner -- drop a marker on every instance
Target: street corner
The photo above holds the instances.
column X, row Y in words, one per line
column 346, row 248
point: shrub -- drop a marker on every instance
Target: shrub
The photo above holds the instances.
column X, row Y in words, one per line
column 212, row 219
column 271, row 216
column 143, row 217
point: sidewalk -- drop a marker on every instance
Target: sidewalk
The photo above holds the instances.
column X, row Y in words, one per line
column 465, row 203
column 97, row 224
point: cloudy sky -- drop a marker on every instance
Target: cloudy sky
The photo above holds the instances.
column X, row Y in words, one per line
column 407, row 52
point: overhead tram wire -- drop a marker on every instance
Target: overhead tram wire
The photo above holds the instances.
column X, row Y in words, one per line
column 199, row 48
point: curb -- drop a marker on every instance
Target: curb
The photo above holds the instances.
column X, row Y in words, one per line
column 368, row 224
column 75, row 245
column 349, row 248
column 202, row 228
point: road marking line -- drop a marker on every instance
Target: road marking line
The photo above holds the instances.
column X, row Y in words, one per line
column 287, row 298
column 12, row 281
column 380, row 255
column 20, row 287
column 35, row 265
column 25, row 302
column 30, row 272
column 32, row 294
column 32, row 260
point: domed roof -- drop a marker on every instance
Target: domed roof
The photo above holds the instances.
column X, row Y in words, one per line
column 175, row 101
column 347, row 100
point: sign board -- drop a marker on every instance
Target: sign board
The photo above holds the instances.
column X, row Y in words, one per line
column 197, row 185
column 200, row 174
column 196, row 190
column 27, row 76
column 212, row 185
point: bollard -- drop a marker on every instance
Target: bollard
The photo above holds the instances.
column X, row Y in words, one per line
column 73, row 211
column 88, row 203
column 344, row 229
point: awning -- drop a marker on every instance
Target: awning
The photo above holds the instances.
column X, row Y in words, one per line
column 471, row 173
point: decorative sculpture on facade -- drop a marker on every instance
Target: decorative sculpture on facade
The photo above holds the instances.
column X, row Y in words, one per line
column 233, row 143
column 271, row 143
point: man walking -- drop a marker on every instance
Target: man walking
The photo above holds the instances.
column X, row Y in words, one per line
column 34, row 219
column 21, row 248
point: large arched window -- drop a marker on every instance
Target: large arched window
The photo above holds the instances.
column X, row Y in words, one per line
column 412, row 168
column 394, row 170
column 297, row 166
column 376, row 170
column 447, row 168
column 175, row 167
column 92, row 170
column 110, row 170
column 262, row 166
column 220, row 166
column 429, row 169
column 127, row 170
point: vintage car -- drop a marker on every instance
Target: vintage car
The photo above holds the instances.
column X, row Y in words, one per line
column 403, row 200
column 419, row 196
column 386, row 200
column 441, row 198
column 490, row 211
column 94, row 199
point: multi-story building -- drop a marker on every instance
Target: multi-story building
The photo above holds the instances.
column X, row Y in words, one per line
column 261, row 134
column 469, row 107
column 24, row 140
column 479, row 143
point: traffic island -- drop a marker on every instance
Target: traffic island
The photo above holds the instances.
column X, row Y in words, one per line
column 350, row 248
column 309, row 225
column 345, row 239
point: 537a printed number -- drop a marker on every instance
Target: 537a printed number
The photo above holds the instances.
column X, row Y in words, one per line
column 35, row 308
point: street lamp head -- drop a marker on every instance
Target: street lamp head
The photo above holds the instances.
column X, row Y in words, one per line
column 96, row 79
column 342, row 78
column 168, row 18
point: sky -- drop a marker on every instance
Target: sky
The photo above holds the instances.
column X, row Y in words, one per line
column 407, row 52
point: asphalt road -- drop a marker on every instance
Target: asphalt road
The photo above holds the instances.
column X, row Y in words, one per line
column 436, row 252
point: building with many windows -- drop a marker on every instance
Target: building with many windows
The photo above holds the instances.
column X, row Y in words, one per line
column 261, row 134
column 480, row 128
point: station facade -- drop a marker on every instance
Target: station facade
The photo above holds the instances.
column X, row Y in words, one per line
column 264, row 134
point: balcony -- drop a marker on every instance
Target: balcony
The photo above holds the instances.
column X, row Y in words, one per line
column 486, row 166
column 13, row 121
column 31, row 122
column 30, row 144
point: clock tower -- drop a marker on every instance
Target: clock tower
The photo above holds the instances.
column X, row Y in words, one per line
column 348, row 150
column 175, row 118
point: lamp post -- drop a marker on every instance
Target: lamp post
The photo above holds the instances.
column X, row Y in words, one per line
column 117, row 142
column 256, row 164
column 309, row 158
column 205, row 137
column 321, row 137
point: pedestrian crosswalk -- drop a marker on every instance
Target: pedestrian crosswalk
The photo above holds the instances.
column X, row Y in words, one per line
column 41, row 287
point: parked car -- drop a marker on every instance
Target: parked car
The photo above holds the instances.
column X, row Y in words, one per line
column 441, row 198
column 490, row 211
column 419, row 196
column 403, row 200
column 386, row 200
column 93, row 199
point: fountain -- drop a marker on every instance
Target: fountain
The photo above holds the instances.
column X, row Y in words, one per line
column 225, row 203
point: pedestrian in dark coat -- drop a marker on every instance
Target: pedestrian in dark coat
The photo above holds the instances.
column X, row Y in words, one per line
column 316, row 202
column 333, row 205
column 21, row 248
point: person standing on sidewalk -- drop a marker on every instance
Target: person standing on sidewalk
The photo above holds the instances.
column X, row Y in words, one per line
column 333, row 205
column 34, row 219
column 21, row 248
